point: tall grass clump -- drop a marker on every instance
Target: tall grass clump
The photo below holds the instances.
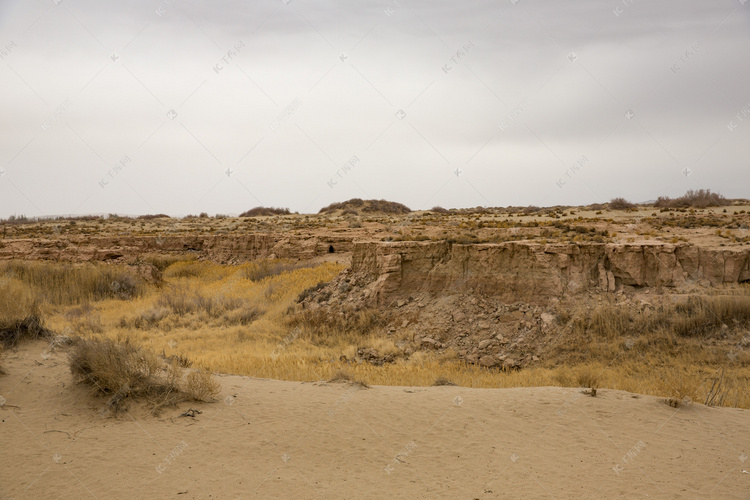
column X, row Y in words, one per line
column 123, row 371
column 65, row 284
column 20, row 315
column 695, row 316
column 163, row 261
column 258, row 270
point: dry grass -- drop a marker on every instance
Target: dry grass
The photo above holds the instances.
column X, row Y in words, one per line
column 123, row 371
column 260, row 269
column 694, row 316
column 20, row 315
column 224, row 322
column 72, row 284
column 344, row 377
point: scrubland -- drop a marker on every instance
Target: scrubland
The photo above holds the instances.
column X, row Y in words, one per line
column 239, row 319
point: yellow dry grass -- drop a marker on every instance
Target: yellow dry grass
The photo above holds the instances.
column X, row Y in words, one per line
column 223, row 321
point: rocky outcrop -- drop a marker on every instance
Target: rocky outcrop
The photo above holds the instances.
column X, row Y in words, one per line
column 535, row 272
column 223, row 248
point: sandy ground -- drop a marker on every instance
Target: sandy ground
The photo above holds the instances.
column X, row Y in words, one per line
column 272, row 439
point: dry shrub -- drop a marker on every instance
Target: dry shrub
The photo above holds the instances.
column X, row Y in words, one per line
column 702, row 198
column 606, row 321
column 124, row 371
column 85, row 318
column 242, row 316
column 307, row 292
column 343, row 377
column 694, row 317
column 679, row 387
column 162, row 261
column 258, row 270
column 187, row 269
column 620, row 204
column 384, row 206
column 589, row 376
column 201, row 386
column 440, row 381
column 265, row 211
column 20, row 315
column 153, row 216
column 182, row 301
column 322, row 327
column 147, row 319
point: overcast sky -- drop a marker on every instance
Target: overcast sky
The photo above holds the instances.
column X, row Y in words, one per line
column 180, row 107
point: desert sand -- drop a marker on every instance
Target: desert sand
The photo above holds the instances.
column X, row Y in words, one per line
column 274, row 439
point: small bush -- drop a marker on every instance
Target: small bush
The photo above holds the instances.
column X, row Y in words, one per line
column 154, row 216
column 620, row 204
column 384, row 206
column 123, row 371
column 441, row 381
column 258, row 270
column 588, row 377
column 201, row 386
column 701, row 198
column 310, row 291
column 20, row 315
column 182, row 301
column 265, row 211
column 162, row 261
column 342, row 377
column 187, row 269
column 679, row 387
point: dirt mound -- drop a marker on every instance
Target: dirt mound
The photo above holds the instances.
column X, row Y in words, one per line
column 358, row 206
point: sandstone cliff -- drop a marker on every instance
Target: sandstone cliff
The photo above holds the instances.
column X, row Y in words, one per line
column 222, row 248
column 534, row 272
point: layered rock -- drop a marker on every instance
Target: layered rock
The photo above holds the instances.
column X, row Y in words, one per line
column 535, row 272
column 223, row 248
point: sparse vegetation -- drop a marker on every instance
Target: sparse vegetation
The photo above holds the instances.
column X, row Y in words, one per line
column 265, row 211
column 702, row 198
column 73, row 284
column 246, row 319
column 123, row 371
column 357, row 205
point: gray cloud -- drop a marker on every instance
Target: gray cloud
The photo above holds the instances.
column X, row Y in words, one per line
column 184, row 106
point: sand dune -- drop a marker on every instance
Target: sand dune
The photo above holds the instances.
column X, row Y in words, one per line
column 273, row 439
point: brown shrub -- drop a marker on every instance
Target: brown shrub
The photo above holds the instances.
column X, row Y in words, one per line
column 620, row 204
column 154, row 216
column 441, row 381
column 123, row 371
column 265, row 211
column 263, row 268
column 342, row 377
column 702, row 198
column 201, row 386
column 384, row 206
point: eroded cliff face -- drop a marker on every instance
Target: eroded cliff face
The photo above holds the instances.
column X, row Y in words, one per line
column 224, row 248
column 535, row 272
